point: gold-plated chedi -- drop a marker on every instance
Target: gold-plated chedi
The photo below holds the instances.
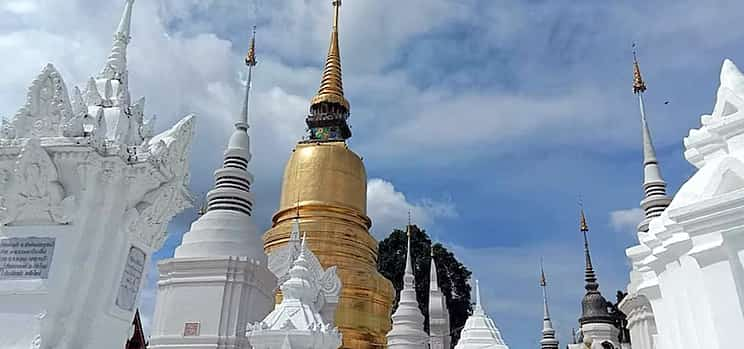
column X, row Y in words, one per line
column 330, row 182
column 325, row 187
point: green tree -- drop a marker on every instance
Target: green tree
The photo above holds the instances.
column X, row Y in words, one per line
column 452, row 275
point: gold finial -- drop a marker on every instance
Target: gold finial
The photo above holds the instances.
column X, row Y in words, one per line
column 584, row 227
column 638, row 84
column 250, row 58
column 331, row 85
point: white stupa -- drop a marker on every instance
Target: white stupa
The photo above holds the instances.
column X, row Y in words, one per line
column 439, row 322
column 218, row 281
column 301, row 321
column 408, row 322
column 86, row 193
column 480, row 332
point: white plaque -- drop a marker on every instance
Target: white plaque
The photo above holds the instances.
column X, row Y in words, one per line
column 26, row 258
column 131, row 279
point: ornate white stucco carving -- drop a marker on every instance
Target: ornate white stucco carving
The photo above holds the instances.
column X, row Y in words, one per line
column 80, row 170
column 47, row 107
column 281, row 259
column 32, row 193
column 298, row 321
column 688, row 265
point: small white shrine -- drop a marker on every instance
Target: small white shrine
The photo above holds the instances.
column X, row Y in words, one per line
column 218, row 281
column 302, row 319
column 86, row 192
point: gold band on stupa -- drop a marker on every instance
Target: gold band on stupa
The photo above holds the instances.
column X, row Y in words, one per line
column 331, row 85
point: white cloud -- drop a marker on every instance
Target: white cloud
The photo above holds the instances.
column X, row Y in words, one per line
column 626, row 221
column 389, row 208
column 20, row 7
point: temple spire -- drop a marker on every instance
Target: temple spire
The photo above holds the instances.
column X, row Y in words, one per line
column 116, row 64
column 478, row 307
column 233, row 180
column 548, row 340
column 593, row 305
column 544, row 284
column 655, row 199
column 408, row 322
column 439, row 323
column 331, row 85
column 589, row 276
column 329, row 109
column 250, row 61
column 409, row 266
column 433, row 279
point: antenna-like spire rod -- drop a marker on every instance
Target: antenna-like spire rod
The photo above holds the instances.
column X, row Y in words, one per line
column 408, row 277
column 478, row 305
column 336, row 10
column 544, row 284
column 250, row 61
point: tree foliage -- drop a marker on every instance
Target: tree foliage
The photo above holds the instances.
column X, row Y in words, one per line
column 452, row 275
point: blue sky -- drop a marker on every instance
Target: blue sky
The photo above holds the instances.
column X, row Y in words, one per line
column 487, row 118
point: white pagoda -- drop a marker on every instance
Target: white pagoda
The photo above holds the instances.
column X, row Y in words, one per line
column 218, row 281
column 408, row 322
column 480, row 332
column 86, row 193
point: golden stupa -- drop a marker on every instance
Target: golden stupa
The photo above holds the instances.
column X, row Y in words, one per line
column 325, row 187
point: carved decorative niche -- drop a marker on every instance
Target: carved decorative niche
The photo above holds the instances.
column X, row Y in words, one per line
column 33, row 193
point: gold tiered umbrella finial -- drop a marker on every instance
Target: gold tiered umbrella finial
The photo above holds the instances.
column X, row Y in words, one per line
column 331, row 85
column 250, row 58
column 639, row 85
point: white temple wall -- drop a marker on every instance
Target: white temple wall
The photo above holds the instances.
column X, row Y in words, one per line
column 680, row 277
column 722, row 303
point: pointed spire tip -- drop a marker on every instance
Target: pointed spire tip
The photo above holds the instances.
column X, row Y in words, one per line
column 543, row 280
column 331, row 86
